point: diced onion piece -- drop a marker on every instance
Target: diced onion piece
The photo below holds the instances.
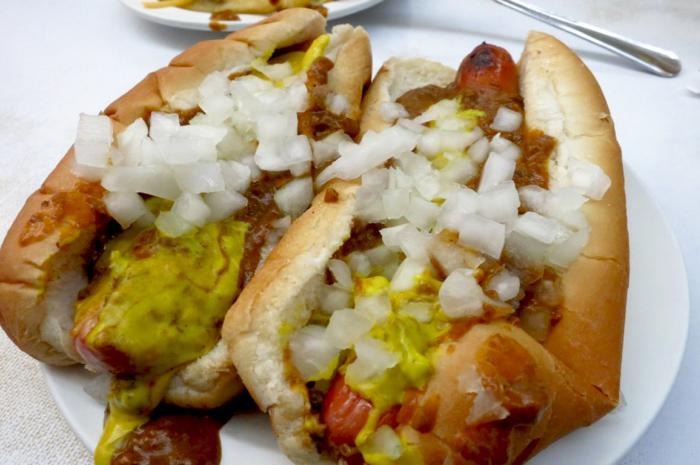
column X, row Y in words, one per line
column 217, row 107
column 563, row 200
column 369, row 204
column 359, row 264
column 88, row 173
column 507, row 120
column 373, row 359
column 376, row 308
column 460, row 295
column 391, row 111
column 131, row 140
column 300, row 169
column 390, row 236
column 505, row 147
column 346, row 327
column 326, row 150
column 341, row 273
column 384, row 443
column 534, row 198
column 199, row 178
column 589, row 178
column 505, row 284
column 422, row 312
column 525, row 251
column 414, row 243
column 312, row 352
column 380, row 255
column 236, row 175
column 152, row 180
column 216, row 83
column 563, row 254
column 442, row 109
column 163, row 125
column 282, row 154
column 538, row 227
column 337, row 103
column 125, row 207
column 428, row 185
column 172, row 225
column 193, row 143
column 405, row 276
column 334, row 298
column 457, row 205
column 374, row 149
column 224, row 204
column 479, row 150
column 497, row 169
column 459, row 170
column 396, row 202
column 192, row 208
column 94, row 140
column 295, row 197
column 422, row 213
column 448, row 256
column 500, row 203
column 482, row 234
column 275, row 72
column 274, row 126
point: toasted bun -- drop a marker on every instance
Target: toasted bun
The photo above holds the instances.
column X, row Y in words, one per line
column 577, row 370
column 40, row 278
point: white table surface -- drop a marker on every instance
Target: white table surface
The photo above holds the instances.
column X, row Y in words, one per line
column 60, row 58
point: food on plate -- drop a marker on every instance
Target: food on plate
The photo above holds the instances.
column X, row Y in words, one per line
column 136, row 245
column 233, row 7
column 457, row 294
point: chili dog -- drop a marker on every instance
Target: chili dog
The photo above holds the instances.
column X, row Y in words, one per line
column 457, row 295
column 136, row 245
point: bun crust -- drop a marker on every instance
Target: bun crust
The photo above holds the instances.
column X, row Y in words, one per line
column 577, row 369
column 40, row 281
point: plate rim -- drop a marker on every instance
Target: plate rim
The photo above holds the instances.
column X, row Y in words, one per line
column 679, row 355
column 197, row 20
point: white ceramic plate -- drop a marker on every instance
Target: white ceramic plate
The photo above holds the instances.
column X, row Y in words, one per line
column 180, row 17
column 655, row 335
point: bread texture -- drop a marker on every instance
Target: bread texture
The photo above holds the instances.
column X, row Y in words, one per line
column 577, row 371
column 42, row 272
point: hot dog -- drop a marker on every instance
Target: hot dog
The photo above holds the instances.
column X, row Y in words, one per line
column 132, row 251
column 460, row 297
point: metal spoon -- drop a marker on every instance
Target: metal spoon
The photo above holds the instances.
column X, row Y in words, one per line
column 652, row 59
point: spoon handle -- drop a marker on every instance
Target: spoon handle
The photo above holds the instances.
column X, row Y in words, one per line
column 652, row 59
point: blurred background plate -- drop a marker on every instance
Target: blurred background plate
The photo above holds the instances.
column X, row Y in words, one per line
column 187, row 19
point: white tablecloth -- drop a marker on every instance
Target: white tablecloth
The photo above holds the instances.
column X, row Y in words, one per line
column 60, row 58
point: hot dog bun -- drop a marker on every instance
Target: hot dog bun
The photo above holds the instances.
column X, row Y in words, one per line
column 578, row 369
column 45, row 251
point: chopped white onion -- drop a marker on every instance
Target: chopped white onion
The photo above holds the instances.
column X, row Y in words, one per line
column 414, row 243
column 172, row 224
column 460, row 295
column 274, row 126
column 405, row 276
column 422, row 213
column 295, row 197
column 359, row 264
column 390, row 236
column 496, row 170
column 534, row 198
column 275, row 72
column 391, row 111
column 482, row 234
column 458, row 170
column 373, row 359
column 505, row 284
column 525, row 251
column 479, row 150
column 281, row 154
column 396, row 202
column 236, row 175
column 163, row 125
column 334, row 298
column 457, row 205
column 563, row 254
column 505, row 147
column 538, row 227
column 192, row 208
column 125, row 207
column 442, row 109
column 199, row 178
column 589, row 178
column 93, row 141
column 422, row 312
column 224, row 204
column 500, row 203
column 448, row 256
column 341, row 273
column 215, row 83
column 376, row 308
column 385, row 443
column 312, row 352
column 507, row 120
column 326, row 149
column 155, row 180
column 374, row 149
column 337, row 103
column 346, row 327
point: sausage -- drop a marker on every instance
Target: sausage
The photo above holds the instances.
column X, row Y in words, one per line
column 490, row 67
